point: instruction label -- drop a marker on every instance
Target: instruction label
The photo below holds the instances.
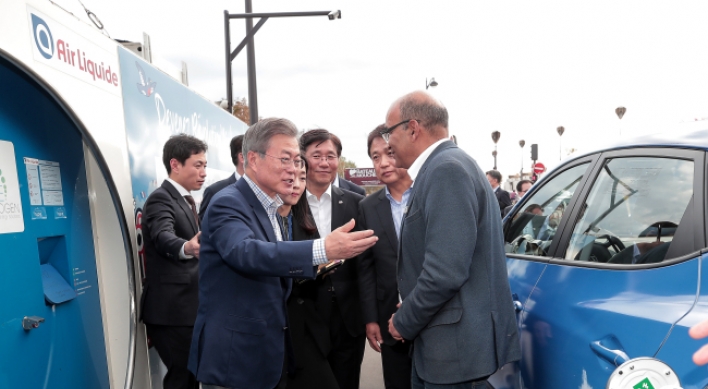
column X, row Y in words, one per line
column 11, row 217
column 44, row 183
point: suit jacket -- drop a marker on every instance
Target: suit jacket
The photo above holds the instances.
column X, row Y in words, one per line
column 457, row 305
column 377, row 266
column 345, row 279
column 211, row 190
column 352, row 187
column 171, row 288
column 241, row 329
column 503, row 198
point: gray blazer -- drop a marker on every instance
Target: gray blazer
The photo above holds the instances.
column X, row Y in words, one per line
column 457, row 307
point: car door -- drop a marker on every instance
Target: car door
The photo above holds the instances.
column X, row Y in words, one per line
column 620, row 275
column 529, row 234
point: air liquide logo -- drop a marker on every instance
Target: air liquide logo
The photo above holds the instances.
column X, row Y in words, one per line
column 42, row 37
column 65, row 50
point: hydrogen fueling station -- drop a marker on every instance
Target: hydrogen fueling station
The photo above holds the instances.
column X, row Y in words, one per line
column 82, row 124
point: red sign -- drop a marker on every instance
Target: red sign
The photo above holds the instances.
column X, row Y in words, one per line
column 362, row 176
column 539, row 168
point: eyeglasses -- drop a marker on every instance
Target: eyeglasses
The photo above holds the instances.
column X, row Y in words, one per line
column 386, row 134
column 328, row 158
column 287, row 162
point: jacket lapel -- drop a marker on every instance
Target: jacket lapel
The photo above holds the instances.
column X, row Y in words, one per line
column 383, row 208
column 258, row 209
column 179, row 199
column 338, row 204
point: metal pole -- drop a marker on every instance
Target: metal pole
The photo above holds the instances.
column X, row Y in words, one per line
column 251, row 59
column 227, row 40
column 495, row 156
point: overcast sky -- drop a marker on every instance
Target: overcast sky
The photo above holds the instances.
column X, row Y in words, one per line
column 519, row 67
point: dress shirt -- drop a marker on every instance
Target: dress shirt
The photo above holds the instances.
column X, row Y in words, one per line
column 321, row 211
column 237, row 176
column 336, row 181
column 271, row 205
column 183, row 192
column 397, row 208
column 418, row 163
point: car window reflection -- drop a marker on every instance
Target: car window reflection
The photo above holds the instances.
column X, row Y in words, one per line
column 633, row 211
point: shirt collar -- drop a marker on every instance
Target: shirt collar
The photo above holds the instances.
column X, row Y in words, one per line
column 328, row 192
column 336, row 181
column 183, row 192
column 418, row 163
column 237, row 176
column 268, row 203
column 403, row 197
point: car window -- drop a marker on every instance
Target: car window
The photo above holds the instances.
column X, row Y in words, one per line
column 531, row 230
column 633, row 211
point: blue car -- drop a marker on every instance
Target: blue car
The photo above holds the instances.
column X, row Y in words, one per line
column 605, row 259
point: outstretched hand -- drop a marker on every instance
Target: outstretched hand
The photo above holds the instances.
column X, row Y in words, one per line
column 343, row 244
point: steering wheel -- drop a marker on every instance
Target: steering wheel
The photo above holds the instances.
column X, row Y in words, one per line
column 613, row 241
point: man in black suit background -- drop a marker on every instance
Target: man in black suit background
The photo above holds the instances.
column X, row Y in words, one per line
column 171, row 233
column 494, row 178
column 337, row 294
column 339, row 181
column 383, row 212
column 237, row 158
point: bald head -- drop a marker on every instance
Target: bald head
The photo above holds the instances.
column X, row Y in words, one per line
column 426, row 109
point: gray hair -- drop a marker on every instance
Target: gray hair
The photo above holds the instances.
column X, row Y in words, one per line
column 430, row 112
column 258, row 136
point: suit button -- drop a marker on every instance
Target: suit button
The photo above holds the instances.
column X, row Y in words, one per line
column 285, row 328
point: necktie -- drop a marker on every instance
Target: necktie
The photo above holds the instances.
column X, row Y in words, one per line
column 192, row 205
column 286, row 227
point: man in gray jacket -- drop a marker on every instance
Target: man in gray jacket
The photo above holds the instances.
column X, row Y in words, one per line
column 456, row 302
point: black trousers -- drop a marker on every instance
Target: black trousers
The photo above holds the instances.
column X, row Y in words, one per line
column 396, row 362
column 172, row 344
column 347, row 352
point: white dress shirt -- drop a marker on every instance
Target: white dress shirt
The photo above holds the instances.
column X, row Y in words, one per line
column 321, row 211
column 418, row 163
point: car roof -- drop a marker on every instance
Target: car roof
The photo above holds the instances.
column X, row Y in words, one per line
column 679, row 138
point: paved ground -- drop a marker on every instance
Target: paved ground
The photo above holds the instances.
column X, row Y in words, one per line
column 371, row 373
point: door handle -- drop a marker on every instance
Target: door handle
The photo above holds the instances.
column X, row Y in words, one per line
column 610, row 349
column 517, row 303
column 31, row 322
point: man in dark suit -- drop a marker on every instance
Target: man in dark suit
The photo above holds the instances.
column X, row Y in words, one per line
column 338, row 294
column 339, row 181
column 171, row 233
column 237, row 158
column 503, row 198
column 456, row 301
column 242, row 333
column 382, row 212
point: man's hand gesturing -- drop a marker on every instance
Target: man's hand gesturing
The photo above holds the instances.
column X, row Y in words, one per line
column 342, row 244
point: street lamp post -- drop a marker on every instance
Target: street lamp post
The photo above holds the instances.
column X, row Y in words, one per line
column 495, row 138
column 432, row 83
column 522, row 143
column 560, row 131
column 251, row 55
column 620, row 113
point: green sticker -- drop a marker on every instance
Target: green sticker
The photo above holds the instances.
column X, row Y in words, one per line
column 2, row 179
column 643, row 384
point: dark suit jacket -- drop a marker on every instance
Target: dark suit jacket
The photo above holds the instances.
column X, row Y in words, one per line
column 352, row 187
column 452, row 275
column 503, row 198
column 310, row 333
column 170, row 292
column 377, row 266
column 211, row 190
column 241, row 329
column 345, row 278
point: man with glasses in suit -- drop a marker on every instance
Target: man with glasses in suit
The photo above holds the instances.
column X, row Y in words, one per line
column 338, row 294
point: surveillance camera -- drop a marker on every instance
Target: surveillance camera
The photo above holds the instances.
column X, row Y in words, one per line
column 335, row 15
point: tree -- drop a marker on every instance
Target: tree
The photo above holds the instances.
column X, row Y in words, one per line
column 344, row 164
column 241, row 110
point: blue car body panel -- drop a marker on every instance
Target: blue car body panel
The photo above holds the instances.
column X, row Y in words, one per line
column 580, row 321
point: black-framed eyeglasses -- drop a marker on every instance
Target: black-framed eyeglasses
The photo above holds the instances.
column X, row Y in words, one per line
column 386, row 134
column 286, row 162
